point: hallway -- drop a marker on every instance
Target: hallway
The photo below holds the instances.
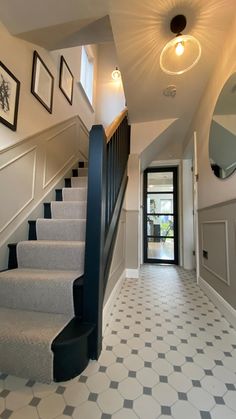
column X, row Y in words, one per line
column 168, row 352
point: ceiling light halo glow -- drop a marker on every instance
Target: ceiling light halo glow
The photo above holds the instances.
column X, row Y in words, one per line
column 175, row 64
column 116, row 75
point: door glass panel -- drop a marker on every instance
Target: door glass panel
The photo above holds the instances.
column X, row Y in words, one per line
column 160, row 248
column 160, row 182
column 162, row 225
column 160, row 203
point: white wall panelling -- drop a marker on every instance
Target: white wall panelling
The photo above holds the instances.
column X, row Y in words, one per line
column 18, row 174
column 59, row 151
column 29, row 172
column 214, row 236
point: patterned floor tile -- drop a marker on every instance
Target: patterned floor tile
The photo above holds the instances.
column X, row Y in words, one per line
column 167, row 352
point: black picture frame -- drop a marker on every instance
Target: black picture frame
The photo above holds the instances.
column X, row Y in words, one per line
column 42, row 82
column 9, row 97
column 66, row 80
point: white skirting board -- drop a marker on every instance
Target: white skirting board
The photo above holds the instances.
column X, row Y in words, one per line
column 111, row 300
column 223, row 306
column 132, row 273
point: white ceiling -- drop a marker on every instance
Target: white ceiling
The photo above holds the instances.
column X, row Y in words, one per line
column 140, row 30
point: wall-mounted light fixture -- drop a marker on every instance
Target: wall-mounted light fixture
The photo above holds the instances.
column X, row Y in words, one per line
column 183, row 51
column 116, row 75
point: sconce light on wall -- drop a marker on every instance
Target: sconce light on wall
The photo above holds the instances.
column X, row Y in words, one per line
column 183, row 51
column 116, row 75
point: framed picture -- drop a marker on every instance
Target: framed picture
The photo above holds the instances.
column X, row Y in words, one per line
column 9, row 97
column 66, row 80
column 42, row 82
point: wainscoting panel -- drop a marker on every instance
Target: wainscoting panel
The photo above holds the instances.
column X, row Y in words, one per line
column 215, row 248
column 17, row 185
column 59, row 151
column 30, row 170
column 118, row 261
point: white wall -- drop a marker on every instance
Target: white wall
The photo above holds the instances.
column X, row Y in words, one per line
column 187, row 222
column 211, row 189
column 110, row 94
column 17, row 55
column 36, row 157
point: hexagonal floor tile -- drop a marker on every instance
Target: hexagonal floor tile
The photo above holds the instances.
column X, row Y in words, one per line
column 162, row 367
column 192, row 371
column 51, row 406
column 147, row 377
column 130, row 389
column 165, row 394
column 213, row 386
column 182, row 410
column 117, row 372
column 110, row 401
column 98, row 382
column 76, row 394
column 133, row 362
column 147, row 407
column 201, row 399
column 27, row 412
column 87, row 410
column 179, row 382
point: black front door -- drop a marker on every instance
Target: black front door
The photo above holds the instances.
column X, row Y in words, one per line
column 161, row 215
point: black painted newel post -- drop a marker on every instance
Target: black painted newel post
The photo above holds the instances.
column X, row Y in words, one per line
column 107, row 180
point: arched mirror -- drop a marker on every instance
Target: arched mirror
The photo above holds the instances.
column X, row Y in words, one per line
column 222, row 141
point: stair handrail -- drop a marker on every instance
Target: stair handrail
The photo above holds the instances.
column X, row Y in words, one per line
column 107, row 180
column 110, row 130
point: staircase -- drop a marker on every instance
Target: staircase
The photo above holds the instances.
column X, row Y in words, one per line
column 40, row 336
column 51, row 298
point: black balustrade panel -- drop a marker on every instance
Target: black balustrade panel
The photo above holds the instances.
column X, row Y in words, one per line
column 107, row 180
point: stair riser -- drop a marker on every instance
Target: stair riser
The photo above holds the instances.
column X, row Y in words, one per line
column 65, row 230
column 74, row 194
column 79, row 182
column 54, row 257
column 38, row 296
column 63, row 210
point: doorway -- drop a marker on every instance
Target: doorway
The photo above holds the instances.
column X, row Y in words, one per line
column 161, row 215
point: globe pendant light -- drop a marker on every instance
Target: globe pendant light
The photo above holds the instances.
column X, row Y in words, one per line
column 116, row 75
column 183, row 51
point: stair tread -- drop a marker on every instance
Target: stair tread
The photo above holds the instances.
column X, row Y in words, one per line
column 68, row 209
column 61, row 229
column 59, row 243
column 34, row 289
column 41, row 274
column 51, row 254
column 25, row 342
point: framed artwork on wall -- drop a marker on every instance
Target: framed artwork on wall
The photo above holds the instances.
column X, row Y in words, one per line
column 66, row 80
column 42, row 82
column 9, row 97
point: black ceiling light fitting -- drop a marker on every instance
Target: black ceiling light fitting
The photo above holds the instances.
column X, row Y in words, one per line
column 182, row 52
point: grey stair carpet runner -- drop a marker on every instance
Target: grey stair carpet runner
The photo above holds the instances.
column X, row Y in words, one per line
column 36, row 299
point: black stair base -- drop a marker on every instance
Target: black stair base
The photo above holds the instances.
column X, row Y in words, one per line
column 71, row 350
column 12, row 259
column 32, row 230
column 58, row 194
column 67, row 182
column 47, row 210
column 75, row 173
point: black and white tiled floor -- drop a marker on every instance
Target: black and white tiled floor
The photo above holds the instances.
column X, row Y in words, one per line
column 168, row 353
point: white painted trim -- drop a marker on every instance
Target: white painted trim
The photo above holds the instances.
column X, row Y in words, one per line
column 222, row 305
column 225, row 222
column 111, row 300
column 52, row 137
column 36, row 134
column 45, row 184
column 132, row 273
column 32, row 185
